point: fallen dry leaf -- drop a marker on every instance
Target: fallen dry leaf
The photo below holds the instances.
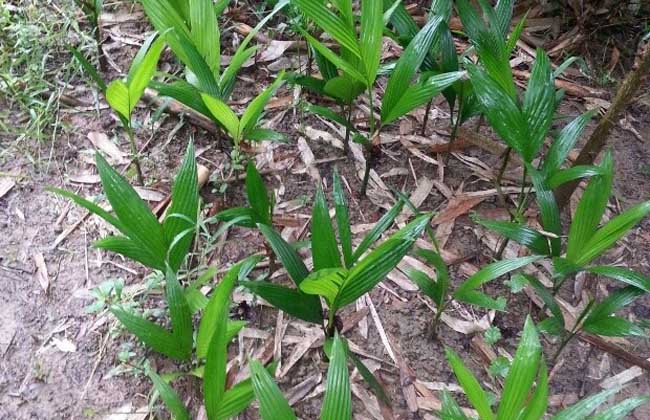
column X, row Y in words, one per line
column 41, row 271
column 6, row 184
column 101, row 142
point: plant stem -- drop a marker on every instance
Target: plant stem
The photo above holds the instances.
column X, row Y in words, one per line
column 370, row 155
column 346, row 144
column 331, row 325
column 134, row 154
column 567, row 338
column 423, row 130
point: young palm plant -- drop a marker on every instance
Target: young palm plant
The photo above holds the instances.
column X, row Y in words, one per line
column 525, row 391
column 123, row 96
column 586, row 241
column 339, row 280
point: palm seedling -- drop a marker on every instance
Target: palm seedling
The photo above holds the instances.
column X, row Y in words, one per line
column 586, row 241
column 526, row 390
column 123, row 96
column 359, row 62
column 438, row 288
column 340, row 281
column 192, row 32
column 93, row 10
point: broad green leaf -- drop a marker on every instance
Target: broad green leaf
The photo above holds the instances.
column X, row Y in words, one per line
column 325, row 282
column 180, row 314
column 539, row 103
column 503, row 12
column 185, row 201
column 375, row 233
column 613, row 230
column 370, row 37
column 586, row 406
column 589, row 212
column 424, row 283
column 408, row 65
column 522, row 373
column 133, row 212
column 324, row 248
column 184, row 93
column 614, row 326
column 344, row 88
column 288, row 256
column 524, row 235
column 550, row 212
column 621, row 410
column 253, row 112
column 205, row 33
column 600, row 319
column 212, row 330
column 143, row 68
column 236, row 399
column 224, row 115
column 152, row 335
column 378, row 263
column 337, row 403
column 562, row 176
column 333, row 25
column 130, row 249
column 117, row 96
column 195, row 62
column 273, row 405
column 325, row 67
column 257, row 194
column 265, row 134
column 168, row 395
column 419, row 94
column 565, row 141
column 295, row 303
column 493, row 271
column 501, row 111
column 342, row 218
column 164, row 15
column 511, row 43
column 624, row 275
column 473, row 390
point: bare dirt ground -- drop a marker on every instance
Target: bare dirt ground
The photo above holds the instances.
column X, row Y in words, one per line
column 57, row 361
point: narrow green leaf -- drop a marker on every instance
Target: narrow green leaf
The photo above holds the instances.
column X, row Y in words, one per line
column 584, row 407
column 89, row 69
column 253, row 112
column 265, row 134
column 273, row 405
column 133, row 212
column 565, row 141
column 150, row 334
column 524, row 235
column 295, row 303
column 342, row 219
column 185, row 202
column 224, row 115
column 205, row 33
column 229, row 76
column 169, row 396
column 379, row 262
column 117, row 96
column 548, row 208
column 493, row 271
column 180, row 314
column 257, row 194
column 450, row 408
column 325, row 282
column 613, row 230
column 371, row 380
column 522, row 373
column 130, row 249
column 473, row 390
column 378, row 229
column 324, row 248
column 624, row 275
column 408, row 64
column 536, row 406
column 330, row 23
column 589, row 212
column 539, row 103
column 621, row 410
column 288, row 256
column 339, row 62
column 370, row 41
column 143, row 68
column 562, row 176
column 337, row 403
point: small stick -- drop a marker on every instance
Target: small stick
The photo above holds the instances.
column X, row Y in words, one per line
column 616, row 351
